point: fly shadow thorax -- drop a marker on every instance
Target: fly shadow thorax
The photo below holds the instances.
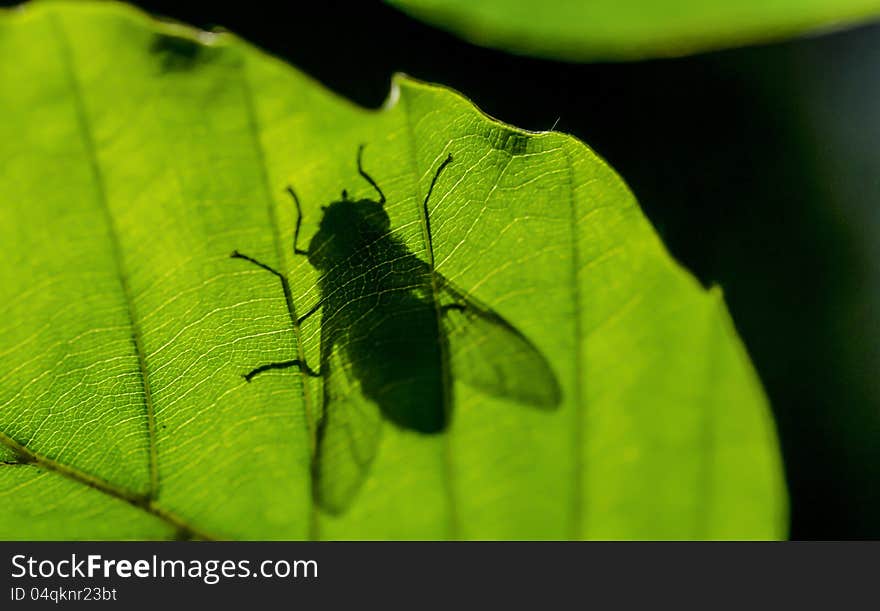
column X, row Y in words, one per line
column 348, row 228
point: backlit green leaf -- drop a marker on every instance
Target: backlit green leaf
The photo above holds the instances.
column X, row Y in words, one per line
column 136, row 156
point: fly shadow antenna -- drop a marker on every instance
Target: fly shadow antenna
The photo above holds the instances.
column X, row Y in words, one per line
column 440, row 169
column 367, row 176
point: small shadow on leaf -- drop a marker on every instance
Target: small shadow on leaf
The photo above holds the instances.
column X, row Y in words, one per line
column 179, row 54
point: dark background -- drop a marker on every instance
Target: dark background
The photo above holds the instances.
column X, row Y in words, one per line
column 760, row 168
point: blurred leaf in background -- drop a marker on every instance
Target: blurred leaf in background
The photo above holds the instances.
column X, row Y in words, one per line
column 137, row 156
column 590, row 30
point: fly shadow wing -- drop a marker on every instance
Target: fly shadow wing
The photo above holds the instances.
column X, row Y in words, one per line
column 485, row 351
column 348, row 435
column 490, row 354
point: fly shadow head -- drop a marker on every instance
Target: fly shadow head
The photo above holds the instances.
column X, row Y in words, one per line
column 347, row 225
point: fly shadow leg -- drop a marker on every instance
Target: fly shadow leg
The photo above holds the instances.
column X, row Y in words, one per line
column 282, row 365
column 440, row 169
column 301, row 365
column 367, row 177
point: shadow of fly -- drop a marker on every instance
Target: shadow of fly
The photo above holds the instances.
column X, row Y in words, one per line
column 394, row 335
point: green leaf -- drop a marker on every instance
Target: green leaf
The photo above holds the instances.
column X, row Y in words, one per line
column 136, row 156
column 632, row 29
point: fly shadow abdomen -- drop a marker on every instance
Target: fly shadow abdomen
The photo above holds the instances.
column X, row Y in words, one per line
column 397, row 356
column 394, row 333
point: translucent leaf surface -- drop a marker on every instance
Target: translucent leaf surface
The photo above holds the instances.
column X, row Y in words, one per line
column 136, row 156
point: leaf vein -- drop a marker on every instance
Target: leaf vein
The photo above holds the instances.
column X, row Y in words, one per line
column 88, row 138
column 142, row 502
column 254, row 126
column 577, row 432
column 447, row 445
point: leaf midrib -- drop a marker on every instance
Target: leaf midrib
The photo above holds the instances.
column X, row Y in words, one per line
column 449, row 487
column 254, row 126
column 27, row 457
column 67, row 61
column 146, row 502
